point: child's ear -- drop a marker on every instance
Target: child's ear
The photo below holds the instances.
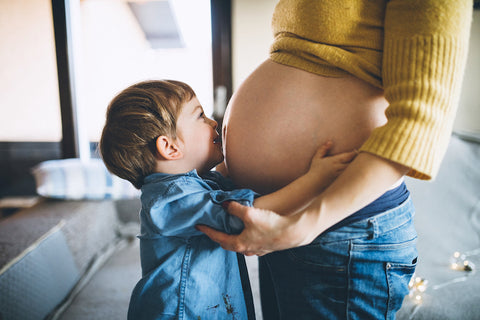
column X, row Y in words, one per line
column 168, row 148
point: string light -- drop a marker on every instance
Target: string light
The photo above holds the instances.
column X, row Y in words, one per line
column 417, row 287
column 458, row 262
column 461, row 263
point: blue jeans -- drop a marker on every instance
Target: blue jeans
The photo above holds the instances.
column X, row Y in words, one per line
column 359, row 271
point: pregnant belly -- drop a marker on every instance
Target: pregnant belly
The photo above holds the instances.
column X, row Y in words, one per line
column 280, row 115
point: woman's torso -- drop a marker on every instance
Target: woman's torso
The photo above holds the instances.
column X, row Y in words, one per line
column 280, row 115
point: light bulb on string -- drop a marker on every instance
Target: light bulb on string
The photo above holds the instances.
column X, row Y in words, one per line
column 417, row 287
column 460, row 262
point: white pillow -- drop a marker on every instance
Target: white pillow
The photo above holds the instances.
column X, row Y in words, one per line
column 80, row 179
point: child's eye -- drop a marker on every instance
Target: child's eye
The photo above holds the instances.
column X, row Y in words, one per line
column 202, row 115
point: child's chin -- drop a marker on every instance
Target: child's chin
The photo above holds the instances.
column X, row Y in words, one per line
column 213, row 165
column 219, row 162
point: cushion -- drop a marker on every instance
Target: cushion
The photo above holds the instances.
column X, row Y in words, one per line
column 77, row 179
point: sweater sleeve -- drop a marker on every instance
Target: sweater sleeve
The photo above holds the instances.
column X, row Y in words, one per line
column 425, row 51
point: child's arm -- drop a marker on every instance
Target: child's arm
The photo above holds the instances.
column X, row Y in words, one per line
column 298, row 194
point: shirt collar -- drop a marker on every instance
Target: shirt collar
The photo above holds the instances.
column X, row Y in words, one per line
column 160, row 176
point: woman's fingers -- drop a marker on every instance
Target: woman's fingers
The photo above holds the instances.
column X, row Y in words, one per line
column 252, row 239
column 227, row 241
column 236, row 209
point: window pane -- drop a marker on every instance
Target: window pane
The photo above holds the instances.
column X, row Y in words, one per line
column 117, row 50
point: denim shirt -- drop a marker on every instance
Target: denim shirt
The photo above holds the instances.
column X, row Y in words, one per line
column 185, row 275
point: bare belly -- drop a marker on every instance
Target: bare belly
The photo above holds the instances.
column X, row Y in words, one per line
column 280, row 115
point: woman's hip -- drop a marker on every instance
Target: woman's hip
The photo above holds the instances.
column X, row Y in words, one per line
column 361, row 269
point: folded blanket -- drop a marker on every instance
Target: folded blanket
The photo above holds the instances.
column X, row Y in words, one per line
column 77, row 179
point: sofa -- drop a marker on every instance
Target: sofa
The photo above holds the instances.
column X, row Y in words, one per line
column 447, row 283
column 50, row 252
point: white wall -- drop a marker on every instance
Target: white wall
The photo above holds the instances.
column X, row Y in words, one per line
column 468, row 116
column 29, row 102
column 251, row 36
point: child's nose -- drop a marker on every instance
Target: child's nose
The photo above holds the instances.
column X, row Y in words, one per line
column 213, row 123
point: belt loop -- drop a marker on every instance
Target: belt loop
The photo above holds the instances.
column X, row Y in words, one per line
column 372, row 228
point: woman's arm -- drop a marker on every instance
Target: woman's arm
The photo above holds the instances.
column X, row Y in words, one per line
column 364, row 180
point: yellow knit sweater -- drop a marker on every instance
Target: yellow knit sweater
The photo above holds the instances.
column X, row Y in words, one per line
column 414, row 49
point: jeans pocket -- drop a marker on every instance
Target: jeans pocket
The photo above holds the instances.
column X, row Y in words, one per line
column 389, row 261
column 398, row 278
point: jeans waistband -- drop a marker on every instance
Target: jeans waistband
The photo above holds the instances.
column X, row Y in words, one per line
column 393, row 218
column 389, row 200
column 370, row 227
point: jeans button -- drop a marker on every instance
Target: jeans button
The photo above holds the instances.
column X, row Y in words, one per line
column 389, row 265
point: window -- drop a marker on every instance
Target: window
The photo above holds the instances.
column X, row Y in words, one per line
column 126, row 42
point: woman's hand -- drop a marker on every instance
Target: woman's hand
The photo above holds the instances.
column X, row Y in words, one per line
column 265, row 231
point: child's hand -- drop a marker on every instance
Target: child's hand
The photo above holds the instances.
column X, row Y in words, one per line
column 325, row 168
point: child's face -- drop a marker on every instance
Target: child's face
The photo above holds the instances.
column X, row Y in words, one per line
column 201, row 142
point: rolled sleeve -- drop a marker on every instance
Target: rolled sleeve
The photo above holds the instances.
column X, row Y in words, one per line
column 187, row 208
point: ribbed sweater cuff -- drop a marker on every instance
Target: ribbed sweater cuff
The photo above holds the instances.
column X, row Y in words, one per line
column 422, row 80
